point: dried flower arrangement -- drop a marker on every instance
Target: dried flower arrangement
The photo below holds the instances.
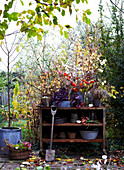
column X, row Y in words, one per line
column 98, row 93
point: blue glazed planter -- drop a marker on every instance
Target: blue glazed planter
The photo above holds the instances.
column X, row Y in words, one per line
column 63, row 104
column 13, row 134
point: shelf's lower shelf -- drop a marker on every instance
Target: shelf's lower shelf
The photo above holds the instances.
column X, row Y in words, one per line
column 73, row 124
column 72, row 140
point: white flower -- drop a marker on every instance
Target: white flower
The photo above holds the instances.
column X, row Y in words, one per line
column 104, row 157
column 100, row 70
column 103, row 62
column 16, row 147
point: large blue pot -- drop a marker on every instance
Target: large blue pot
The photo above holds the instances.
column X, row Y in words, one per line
column 13, row 134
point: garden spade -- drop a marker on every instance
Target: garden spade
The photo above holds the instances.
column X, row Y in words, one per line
column 50, row 154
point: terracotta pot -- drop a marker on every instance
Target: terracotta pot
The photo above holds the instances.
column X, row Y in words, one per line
column 62, row 135
column 71, row 135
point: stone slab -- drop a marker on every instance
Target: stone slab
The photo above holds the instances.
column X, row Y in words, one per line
column 1, row 165
column 10, row 166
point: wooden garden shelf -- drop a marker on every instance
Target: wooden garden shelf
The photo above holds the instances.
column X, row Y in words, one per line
column 45, row 125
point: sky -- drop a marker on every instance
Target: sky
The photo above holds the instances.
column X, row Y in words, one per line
column 93, row 5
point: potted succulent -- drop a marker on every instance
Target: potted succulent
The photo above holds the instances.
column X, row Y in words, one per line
column 21, row 150
column 60, row 98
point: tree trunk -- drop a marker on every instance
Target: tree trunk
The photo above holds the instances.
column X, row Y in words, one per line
column 8, row 90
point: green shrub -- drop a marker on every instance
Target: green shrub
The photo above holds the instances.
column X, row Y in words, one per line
column 2, row 117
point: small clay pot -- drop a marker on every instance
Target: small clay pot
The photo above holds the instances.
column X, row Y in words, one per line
column 71, row 135
column 62, row 135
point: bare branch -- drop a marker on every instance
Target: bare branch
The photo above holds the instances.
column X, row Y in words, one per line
column 55, row 3
column 3, row 50
column 16, row 47
column 18, row 31
column 13, row 42
column 3, row 63
column 116, row 6
column 16, row 55
column 7, row 47
column 24, row 81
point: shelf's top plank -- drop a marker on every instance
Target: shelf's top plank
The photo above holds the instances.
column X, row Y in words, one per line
column 72, row 108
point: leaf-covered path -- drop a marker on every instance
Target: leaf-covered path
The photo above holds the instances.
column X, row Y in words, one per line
column 113, row 162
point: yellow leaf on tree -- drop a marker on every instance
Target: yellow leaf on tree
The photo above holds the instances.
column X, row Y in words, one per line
column 15, row 103
column 112, row 87
column 116, row 92
column 1, row 42
column 112, row 91
column 40, row 30
column 0, row 12
column 114, row 97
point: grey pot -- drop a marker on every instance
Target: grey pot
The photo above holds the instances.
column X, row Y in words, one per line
column 97, row 102
column 89, row 135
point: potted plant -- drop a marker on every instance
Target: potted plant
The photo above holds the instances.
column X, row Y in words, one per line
column 13, row 134
column 45, row 100
column 76, row 99
column 87, row 120
column 21, row 150
column 98, row 94
column 87, row 133
column 79, row 87
column 6, row 132
column 60, row 98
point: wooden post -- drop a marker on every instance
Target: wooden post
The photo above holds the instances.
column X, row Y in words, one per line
column 103, row 128
column 41, row 143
